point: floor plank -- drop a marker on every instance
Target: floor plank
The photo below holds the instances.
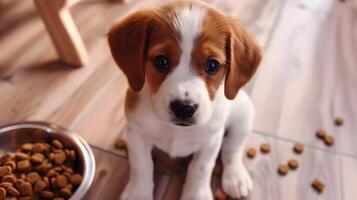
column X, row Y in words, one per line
column 75, row 98
column 102, row 125
column 349, row 177
column 330, row 168
column 111, row 176
column 308, row 75
column 297, row 184
column 307, row 78
column 257, row 16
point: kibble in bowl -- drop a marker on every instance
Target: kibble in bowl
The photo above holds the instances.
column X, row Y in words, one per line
column 43, row 161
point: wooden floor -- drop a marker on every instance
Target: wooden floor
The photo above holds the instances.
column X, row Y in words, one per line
column 307, row 78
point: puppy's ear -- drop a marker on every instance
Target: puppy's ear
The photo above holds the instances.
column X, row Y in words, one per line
column 244, row 56
column 127, row 41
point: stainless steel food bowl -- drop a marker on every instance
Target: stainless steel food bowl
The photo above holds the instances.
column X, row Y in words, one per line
column 11, row 136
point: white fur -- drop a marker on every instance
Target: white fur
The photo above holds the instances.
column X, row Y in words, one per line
column 149, row 125
column 182, row 80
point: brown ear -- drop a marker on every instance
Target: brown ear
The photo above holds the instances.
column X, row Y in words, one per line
column 244, row 56
column 127, row 41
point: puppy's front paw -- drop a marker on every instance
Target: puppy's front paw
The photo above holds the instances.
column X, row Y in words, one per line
column 137, row 192
column 204, row 193
column 236, row 181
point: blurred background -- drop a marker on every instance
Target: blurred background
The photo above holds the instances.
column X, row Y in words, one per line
column 55, row 66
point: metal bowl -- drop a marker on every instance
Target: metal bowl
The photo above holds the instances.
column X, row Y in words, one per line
column 11, row 136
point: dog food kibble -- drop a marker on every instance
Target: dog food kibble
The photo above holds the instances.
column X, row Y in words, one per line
column 318, row 185
column 21, row 177
column 61, row 181
column 219, row 194
column 23, row 166
column 6, row 157
column 10, row 164
column 25, row 189
column 283, row 170
column 59, row 157
column 76, row 179
column 70, row 186
column 5, row 171
column 33, row 177
column 8, row 179
column 339, row 121
column 57, row 144
column 25, row 198
column 21, row 156
column 37, row 148
column 37, row 158
column 58, row 169
column 51, row 173
column 13, row 191
column 2, row 193
column 27, row 147
column 40, row 186
column 251, row 152
column 321, row 134
column 53, row 181
column 39, row 171
column 65, row 192
column 47, row 194
column 298, row 148
column 293, row 164
column 120, row 144
column 5, row 185
column 329, row 140
column 265, row 148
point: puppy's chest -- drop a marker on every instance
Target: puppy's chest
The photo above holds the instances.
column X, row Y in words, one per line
column 177, row 143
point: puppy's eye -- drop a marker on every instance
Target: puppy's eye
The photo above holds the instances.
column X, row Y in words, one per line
column 162, row 63
column 212, row 66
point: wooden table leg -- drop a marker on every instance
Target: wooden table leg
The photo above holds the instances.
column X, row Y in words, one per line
column 63, row 31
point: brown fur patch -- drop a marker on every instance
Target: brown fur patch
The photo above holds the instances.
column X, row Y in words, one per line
column 137, row 39
column 131, row 100
column 224, row 39
column 211, row 44
column 163, row 40
column 244, row 55
column 127, row 41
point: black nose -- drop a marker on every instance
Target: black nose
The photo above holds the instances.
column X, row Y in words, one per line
column 183, row 110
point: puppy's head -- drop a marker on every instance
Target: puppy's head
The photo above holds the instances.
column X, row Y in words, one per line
column 184, row 52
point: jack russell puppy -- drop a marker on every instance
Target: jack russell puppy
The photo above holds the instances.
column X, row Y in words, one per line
column 186, row 63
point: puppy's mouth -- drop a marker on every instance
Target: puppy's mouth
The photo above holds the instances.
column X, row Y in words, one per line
column 183, row 123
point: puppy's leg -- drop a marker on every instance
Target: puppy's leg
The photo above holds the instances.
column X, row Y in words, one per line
column 198, row 179
column 236, row 181
column 140, row 185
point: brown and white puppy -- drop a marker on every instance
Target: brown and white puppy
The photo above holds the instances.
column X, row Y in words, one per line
column 185, row 62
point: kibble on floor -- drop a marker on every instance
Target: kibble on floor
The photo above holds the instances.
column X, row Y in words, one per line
column 321, row 134
column 219, row 194
column 318, row 185
column 339, row 121
column 251, row 152
column 293, row 164
column 329, row 140
column 298, row 148
column 265, row 148
column 120, row 144
column 283, row 170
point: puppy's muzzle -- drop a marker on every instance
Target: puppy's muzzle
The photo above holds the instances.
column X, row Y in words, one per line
column 183, row 112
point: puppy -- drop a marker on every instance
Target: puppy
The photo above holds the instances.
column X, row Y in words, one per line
column 185, row 63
